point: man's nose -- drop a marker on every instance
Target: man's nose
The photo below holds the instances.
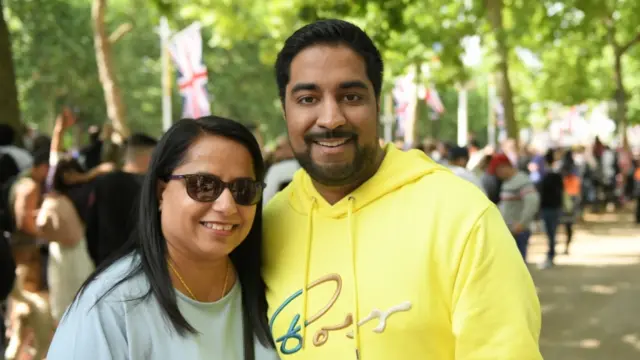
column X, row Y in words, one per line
column 332, row 115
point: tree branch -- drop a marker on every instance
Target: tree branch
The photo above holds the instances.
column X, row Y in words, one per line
column 628, row 45
column 611, row 34
column 121, row 31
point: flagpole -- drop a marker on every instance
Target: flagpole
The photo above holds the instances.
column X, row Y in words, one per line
column 491, row 119
column 462, row 116
column 165, row 33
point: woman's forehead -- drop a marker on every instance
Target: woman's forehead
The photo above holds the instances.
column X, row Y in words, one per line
column 219, row 156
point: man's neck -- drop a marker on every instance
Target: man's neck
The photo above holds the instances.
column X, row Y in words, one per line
column 333, row 194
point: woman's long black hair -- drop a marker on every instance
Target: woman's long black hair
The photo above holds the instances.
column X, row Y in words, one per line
column 149, row 243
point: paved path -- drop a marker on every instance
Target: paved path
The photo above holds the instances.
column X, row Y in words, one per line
column 591, row 299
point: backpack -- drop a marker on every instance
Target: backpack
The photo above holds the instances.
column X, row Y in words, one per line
column 9, row 173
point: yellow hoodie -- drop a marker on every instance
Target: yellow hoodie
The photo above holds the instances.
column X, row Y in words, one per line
column 416, row 256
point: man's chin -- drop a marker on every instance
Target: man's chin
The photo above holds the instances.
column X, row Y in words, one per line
column 332, row 174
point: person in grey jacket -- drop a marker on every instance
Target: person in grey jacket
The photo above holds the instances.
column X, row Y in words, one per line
column 519, row 200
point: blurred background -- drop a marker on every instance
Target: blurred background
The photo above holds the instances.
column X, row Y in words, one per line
column 503, row 75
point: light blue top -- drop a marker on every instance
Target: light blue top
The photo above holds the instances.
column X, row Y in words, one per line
column 118, row 328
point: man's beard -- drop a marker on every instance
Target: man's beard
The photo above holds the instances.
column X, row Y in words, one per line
column 365, row 158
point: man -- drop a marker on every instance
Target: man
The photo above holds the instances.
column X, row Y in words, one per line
column 458, row 159
column 24, row 199
column 476, row 154
column 636, row 188
column 92, row 153
column 21, row 156
column 377, row 253
column 113, row 213
column 519, row 199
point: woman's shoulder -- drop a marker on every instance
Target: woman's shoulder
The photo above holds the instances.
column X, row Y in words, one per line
column 119, row 282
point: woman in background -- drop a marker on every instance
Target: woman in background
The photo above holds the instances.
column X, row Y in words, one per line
column 59, row 223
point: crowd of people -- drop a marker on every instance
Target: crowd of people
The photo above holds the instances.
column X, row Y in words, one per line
column 203, row 245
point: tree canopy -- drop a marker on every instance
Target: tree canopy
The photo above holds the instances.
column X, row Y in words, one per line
column 566, row 52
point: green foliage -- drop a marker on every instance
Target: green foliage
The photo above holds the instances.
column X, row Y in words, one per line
column 53, row 40
column 577, row 53
column 55, row 60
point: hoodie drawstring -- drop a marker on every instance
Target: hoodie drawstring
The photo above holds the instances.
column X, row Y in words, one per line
column 356, row 308
column 307, row 261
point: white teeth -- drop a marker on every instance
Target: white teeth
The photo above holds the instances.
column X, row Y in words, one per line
column 332, row 143
column 215, row 226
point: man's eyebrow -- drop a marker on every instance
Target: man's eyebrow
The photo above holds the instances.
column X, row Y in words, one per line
column 353, row 84
column 303, row 87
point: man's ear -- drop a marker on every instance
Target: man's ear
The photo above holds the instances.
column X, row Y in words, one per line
column 161, row 186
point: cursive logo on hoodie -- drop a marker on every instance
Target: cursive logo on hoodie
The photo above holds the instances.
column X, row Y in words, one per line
column 291, row 342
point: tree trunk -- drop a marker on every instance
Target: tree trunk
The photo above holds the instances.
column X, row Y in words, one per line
column 494, row 13
column 112, row 96
column 621, row 99
column 9, row 109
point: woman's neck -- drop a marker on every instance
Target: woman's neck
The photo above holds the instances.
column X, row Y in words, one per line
column 205, row 281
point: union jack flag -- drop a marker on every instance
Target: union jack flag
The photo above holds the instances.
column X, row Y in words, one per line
column 433, row 100
column 186, row 51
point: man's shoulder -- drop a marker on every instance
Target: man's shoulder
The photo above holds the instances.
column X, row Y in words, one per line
column 446, row 183
column 446, row 192
column 277, row 204
column 519, row 180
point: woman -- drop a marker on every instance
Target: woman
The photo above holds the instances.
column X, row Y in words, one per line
column 59, row 223
column 188, row 284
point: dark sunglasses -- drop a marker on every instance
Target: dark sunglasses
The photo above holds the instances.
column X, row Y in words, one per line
column 207, row 188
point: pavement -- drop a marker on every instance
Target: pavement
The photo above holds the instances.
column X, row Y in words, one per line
column 591, row 299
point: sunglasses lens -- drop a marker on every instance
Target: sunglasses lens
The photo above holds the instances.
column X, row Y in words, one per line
column 204, row 187
column 246, row 192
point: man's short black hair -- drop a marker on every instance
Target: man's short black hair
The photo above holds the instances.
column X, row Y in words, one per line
column 141, row 141
column 334, row 32
column 40, row 155
column 458, row 153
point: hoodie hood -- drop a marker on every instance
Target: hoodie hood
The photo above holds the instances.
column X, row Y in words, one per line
column 397, row 169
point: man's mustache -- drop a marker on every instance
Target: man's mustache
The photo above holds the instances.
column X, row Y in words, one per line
column 332, row 134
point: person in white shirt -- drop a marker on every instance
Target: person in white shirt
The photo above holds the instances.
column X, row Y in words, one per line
column 281, row 172
column 458, row 159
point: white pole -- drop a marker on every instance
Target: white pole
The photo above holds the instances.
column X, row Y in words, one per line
column 165, row 33
column 462, row 116
column 491, row 119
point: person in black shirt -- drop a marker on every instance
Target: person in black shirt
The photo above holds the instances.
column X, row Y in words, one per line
column 551, row 189
column 112, row 215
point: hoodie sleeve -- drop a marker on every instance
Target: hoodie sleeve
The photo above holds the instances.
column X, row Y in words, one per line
column 495, row 308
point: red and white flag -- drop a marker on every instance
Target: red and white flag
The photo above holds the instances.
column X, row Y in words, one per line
column 186, row 51
column 433, row 100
